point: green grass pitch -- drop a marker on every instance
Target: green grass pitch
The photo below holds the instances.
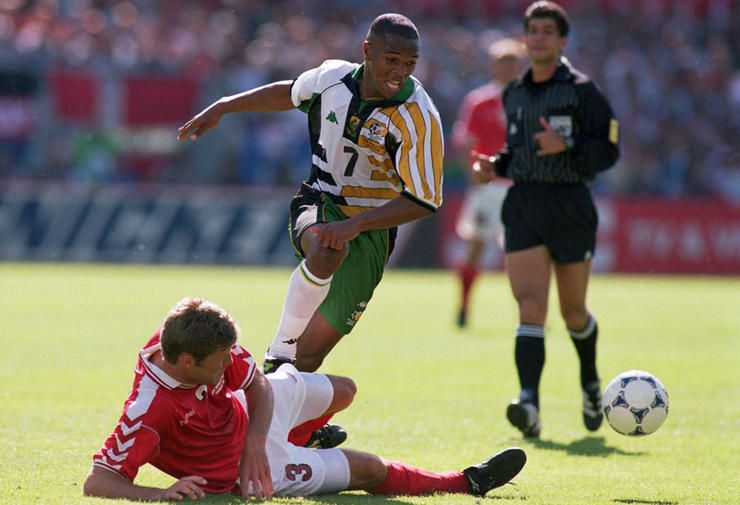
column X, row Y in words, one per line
column 429, row 393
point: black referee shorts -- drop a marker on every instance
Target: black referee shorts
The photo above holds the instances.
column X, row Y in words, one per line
column 560, row 216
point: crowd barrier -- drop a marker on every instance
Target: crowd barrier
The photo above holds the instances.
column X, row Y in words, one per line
column 144, row 225
column 647, row 235
column 248, row 226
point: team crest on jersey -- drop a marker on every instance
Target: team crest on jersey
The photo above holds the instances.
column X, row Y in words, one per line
column 376, row 131
column 353, row 125
column 356, row 314
column 373, row 136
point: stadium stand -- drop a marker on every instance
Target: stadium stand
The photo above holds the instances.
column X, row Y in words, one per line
column 92, row 90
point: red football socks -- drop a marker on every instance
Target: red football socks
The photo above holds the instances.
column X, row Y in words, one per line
column 467, row 276
column 403, row 479
column 301, row 433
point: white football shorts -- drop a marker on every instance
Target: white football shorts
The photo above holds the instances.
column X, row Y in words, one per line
column 298, row 471
column 480, row 215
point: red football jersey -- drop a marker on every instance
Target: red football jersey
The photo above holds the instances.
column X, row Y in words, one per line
column 482, row 120
column 182, row 430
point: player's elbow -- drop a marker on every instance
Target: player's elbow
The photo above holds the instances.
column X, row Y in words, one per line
column 607, row 158
column 95, row 484
column 90, row 487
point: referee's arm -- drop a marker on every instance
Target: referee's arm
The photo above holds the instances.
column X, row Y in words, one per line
column 503, row 157
column 596, row 147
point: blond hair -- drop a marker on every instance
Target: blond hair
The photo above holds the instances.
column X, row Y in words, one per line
column 506, row 47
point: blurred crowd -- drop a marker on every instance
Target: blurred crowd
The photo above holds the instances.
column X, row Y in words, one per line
column 671, row 69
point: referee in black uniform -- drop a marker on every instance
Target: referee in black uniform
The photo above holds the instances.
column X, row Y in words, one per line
column 561, row 132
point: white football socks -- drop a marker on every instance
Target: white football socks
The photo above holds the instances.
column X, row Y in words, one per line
column 305, row 293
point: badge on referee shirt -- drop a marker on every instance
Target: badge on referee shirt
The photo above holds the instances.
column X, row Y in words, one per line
column 561, row 124
column 613, row 131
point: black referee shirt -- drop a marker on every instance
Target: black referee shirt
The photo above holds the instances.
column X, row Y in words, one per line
column 575, row 108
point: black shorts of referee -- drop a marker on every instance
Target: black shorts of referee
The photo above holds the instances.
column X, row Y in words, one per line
column 560, row 216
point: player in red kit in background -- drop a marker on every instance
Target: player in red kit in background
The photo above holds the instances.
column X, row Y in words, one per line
column 481, row 127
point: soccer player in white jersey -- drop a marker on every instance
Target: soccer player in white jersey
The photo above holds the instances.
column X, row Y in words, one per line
column 201, row 411
column 377, row 145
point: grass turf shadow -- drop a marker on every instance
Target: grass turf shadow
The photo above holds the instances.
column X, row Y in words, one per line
column 644, row 502
column 328, row 499
column 587, row 446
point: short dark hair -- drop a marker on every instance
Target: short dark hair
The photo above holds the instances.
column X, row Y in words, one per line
column 397, row 24
column 197, row 327
column 547, row 9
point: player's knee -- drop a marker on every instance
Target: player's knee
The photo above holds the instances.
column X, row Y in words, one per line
column 377, row 470
column 344, row 392
column 532, row 309
column 332, row 257
column 324, row 261
column 367, row 471
column 575, row 317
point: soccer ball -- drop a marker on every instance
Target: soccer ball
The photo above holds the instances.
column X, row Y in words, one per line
column 635, row 403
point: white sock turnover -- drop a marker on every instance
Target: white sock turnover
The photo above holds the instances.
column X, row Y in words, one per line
column 305, row 293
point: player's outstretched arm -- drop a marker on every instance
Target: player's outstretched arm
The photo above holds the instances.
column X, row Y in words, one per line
column 254, row 467
column 106, row 484
column 272, row 97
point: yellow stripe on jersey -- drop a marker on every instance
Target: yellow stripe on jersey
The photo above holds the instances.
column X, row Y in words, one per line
column 360, row 192
column 391, row 177
column 386, row 165
column 353, row 210
column 421, row 132
column 387, row 173
column 437, row 159
column 404, row 167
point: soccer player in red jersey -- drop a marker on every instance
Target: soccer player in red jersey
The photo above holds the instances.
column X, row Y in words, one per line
column 481, row 128
column 201, row 411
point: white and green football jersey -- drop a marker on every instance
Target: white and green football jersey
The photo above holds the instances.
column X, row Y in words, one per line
column 364, row 154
